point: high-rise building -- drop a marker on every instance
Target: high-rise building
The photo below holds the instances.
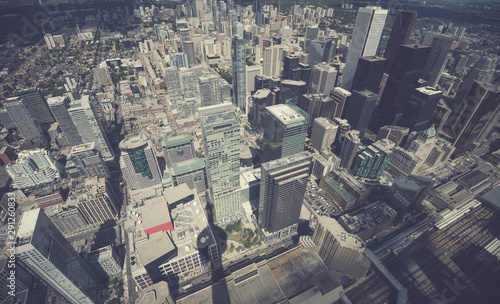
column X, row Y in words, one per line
column 436, row 61
column 46, row 254
column 89, row 127
column 396, row 134
column 84, row 161
column 400, row 34
column 177, row 149
column 420, row 108
column 282, row 188
column 368, row 74
column 372, row 161
column 37, row 106
column 23, row 119
column 323, row 134
column 259, row 16
column 368, row 28
column 340, row 250
column 221, row 137
column 291, row 67
column 340, row 98
column 273, row 57
column 138, row 162
column 209, row 90
column 59, row 107
column 285, row 131
column 403, row 79
column 291, row 90
column 473, row 120
column 349, row 149
column 323, row 78
column 179, row 60
column 359, row 110
column 440, row 115
column 190, row 81
column 188, row 48
column 239, row 72
column 311, row 34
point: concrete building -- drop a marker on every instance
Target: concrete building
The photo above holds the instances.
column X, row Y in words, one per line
column 84, row 161
column 285, row 132
column 97, row 201
column 221, row 137
column 323, row 78
column 341, row 251
column 191, row 172
column 178, row 149
column 102, row 76
column 239, row 72
column 59, row 107
column 349, row 149
column 33, row 169
column 138, row 162
column 340, row 97
column 37, row 237
column 408, row 193
column 359, row 110
column 209, row 90
column 23, row 119
column 104, row 261
column 323, row 133
column 282, row 188
column 324, row 162
column 396, row 134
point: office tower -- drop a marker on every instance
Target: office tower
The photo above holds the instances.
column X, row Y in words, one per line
column 316, row 52
column 369, row 73
column 177, row 149
column 340, row 250
column 395, row 134
column 440, row 115
column 103, row 76
column 190, row 81
column 324, row 132
column 285, row 131
column 237, row 29
column 418, row 112
column 273, row 57
column 259, row 16
column 330, row 49
column 483, row 71
column 291, row 67
column 402, row 80
column 291, row 90
column 436, row 61
column 221, row 137
column 90, row 129
column 365, row 39
column 105, row 262
column 59, row 107
column 239, row 72
column 323, row 78
column 400, row 34
column 305, row 73
column 185, row 34
column 188, row 48
column 316, row 105
column 33, row 169
column 474, row 118
column 341, row 98
column 344, row 127
column 260, row 100
column 179, row 60
column 44, row 252
column 138, row 162
column 215, row 18
column 311, row 34
column 359, row 110
column 84, row 161
column 371, row 162
column 282, row 187
column 209, row 90
column 408, row 192
column 23, row 119
column 174, row 85
column 349, row 149
column 37, row 106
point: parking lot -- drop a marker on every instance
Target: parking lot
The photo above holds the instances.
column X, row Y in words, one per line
column 319, row 201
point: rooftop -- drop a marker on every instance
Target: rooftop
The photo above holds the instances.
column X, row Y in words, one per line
column 367, row 217
column 154, row 248
column 337, row 187
column 135, row 141
column 346, row 239
column 286, row 114
column 177, row 140
column 155, row 215
column 188, row 166
column 492, row 198
column 429, row 90
column 175, row 194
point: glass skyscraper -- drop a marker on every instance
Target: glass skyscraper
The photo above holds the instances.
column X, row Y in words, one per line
column 221, row 137
column 239, row 72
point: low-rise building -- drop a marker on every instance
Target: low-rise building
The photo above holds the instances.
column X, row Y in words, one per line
column 369, row 220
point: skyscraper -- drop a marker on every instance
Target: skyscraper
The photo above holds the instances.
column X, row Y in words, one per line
column 291, row 90
column 138, row 162
column 285, row 132
column 474, row 118
column 403, row 79
column 59, row 107
column 349, row 149
column 37, row 106
column 420, row 108
column 372, row 161
column 221, row 138
column 368, row 28
column 23, row 119
column 282, row 187
column 400, row 34
column 311, row 34
column 291, row 67
column 258, row 13
column 188, row 48
column 341, row 98
column 359, row 110
column 239, row 72
column 368, row 73
column 209, row 90
column 44, row 252
column 436, row 61
column 323, row 133
column 273, row 56
column 408, row 192
column 323, row 78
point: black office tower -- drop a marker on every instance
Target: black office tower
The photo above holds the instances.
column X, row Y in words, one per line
column 359, row 110
column 437, row 58
column 418, row 112
column 282, row 187
column 368, row 73
column 403, row 79
column 400, row 34
column 290, row 64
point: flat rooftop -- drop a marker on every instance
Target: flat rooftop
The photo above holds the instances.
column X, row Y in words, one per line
column 135, row 141
column 154, row 248
column 340, row 234
column 286, row 114
column 155, row 215
column 177, row 140
column 189, row 165
column 337, row 187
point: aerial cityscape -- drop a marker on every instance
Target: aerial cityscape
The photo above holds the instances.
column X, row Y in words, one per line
column 249, row 151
